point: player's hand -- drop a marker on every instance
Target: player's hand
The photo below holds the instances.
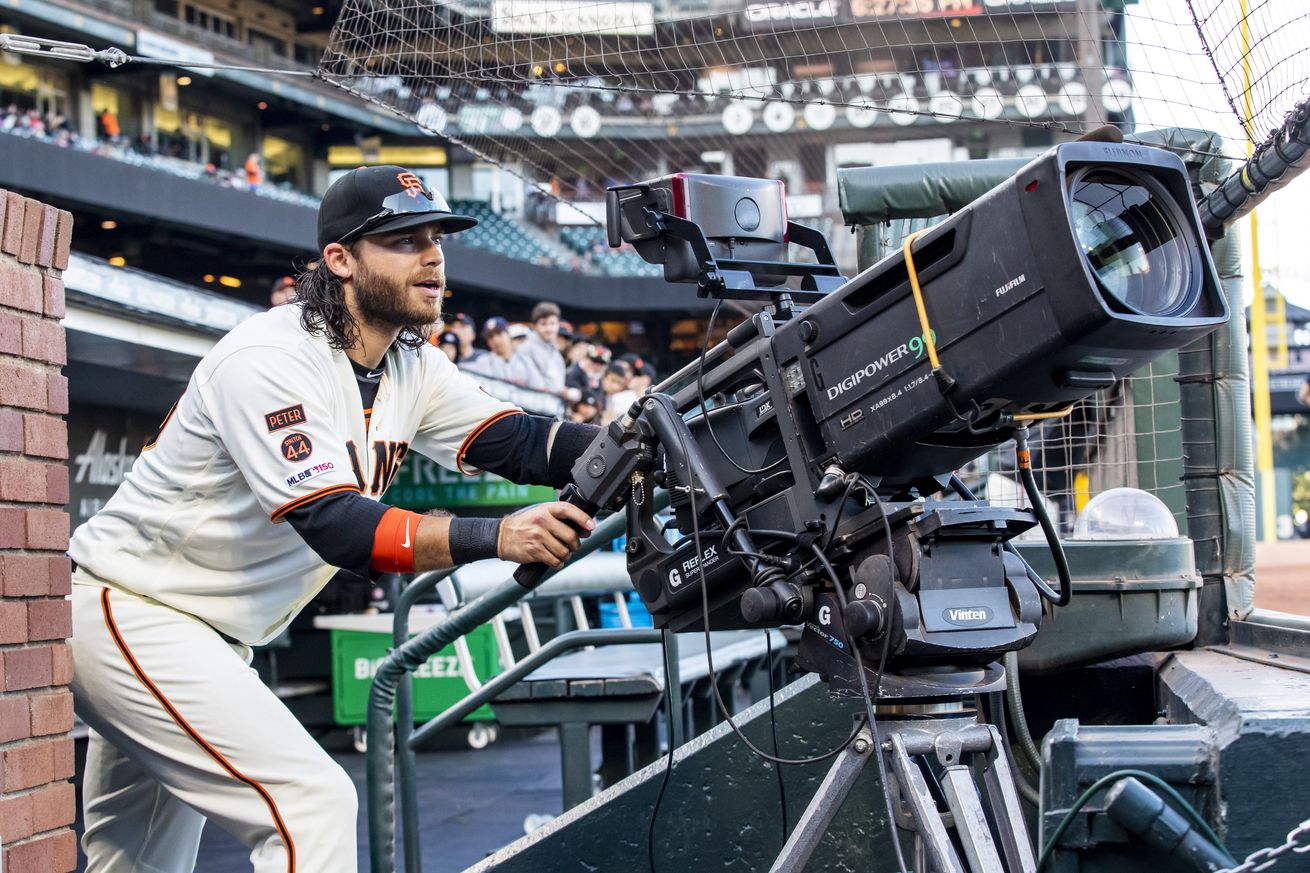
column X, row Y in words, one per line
column 545, row 534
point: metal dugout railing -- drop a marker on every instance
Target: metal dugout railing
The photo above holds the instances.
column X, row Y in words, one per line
column 392, row 689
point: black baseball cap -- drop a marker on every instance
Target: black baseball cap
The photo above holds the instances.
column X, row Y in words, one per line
column 382, row 199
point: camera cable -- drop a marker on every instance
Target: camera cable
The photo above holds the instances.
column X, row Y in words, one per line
column 714, row 685
column 700, row 399
column 709, row 656
column 1043, row 517
column 1045, row 590
column 877, row 750
column 668, row 772
column 859, row 662
column 774, row 759
column 773, row 731
column 945, row 381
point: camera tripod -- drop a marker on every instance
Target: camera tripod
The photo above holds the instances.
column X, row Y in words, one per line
column 931, row 738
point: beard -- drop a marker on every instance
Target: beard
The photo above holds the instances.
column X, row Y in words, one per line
column 389, row 303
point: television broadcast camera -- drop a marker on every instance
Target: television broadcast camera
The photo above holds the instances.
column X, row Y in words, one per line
column 809, row 456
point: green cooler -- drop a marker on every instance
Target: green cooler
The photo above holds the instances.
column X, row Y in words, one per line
column 438, row 684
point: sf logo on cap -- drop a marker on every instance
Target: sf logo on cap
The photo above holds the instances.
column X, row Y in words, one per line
column 413, row 184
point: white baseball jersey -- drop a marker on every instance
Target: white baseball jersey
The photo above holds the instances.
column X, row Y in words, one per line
column 270, row 420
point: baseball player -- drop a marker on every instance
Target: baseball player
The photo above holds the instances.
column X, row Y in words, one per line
column 262, row 480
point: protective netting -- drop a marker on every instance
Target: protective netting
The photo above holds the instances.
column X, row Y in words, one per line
column 1128, row 436
column 572, row 94
column 1258, row 51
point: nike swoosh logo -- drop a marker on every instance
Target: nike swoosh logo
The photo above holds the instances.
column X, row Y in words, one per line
column 374, row 375
column 405, row 544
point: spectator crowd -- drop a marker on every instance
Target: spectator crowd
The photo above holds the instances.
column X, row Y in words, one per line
column 172, row 155
column 545, row 355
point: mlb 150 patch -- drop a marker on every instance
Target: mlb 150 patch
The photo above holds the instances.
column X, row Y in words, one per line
column 310, row 473
column 292, row 415
column 296, row 447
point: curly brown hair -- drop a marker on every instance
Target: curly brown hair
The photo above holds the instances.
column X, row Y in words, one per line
column 322, row 300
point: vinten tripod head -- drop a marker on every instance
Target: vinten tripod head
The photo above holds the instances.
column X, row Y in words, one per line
column 806, row 456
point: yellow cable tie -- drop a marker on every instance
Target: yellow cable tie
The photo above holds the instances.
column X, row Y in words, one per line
column 918, row 298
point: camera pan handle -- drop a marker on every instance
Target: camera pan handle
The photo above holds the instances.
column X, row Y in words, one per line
column 532, row 575
column 613, row 219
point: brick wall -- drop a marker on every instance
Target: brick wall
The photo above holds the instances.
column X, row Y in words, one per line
column 37, row 803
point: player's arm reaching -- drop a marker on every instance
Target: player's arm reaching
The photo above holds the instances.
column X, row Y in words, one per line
column 359, row 534
column 467, row 429
column 323, row 503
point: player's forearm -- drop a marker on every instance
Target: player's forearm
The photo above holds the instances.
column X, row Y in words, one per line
column 432, row 545
column 447, row 542
column 361, row 535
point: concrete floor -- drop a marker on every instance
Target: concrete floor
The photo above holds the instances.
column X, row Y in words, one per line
column 472, row 802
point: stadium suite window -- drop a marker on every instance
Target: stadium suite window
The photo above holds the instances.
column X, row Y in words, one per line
column 284, row 160
column 211, row 21
column 219, row 135
column 34, row 86
column 120, row 105
column 18, row 79
column 264, row 41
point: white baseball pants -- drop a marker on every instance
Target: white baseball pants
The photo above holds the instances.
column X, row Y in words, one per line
column 183, row 730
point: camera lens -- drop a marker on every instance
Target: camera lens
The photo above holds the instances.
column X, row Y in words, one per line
column 1136, row 241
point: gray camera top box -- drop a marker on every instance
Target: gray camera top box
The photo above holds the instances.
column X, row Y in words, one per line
column 741, row 219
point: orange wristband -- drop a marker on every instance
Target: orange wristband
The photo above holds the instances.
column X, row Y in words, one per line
column 393, row 541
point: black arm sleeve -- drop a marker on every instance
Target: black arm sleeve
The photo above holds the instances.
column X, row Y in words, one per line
column 340, row 528
column 516, row 447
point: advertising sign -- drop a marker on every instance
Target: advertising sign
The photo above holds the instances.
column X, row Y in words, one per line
column 102, row 445
column 1030, row 5
column 788, row 15
column 424, row 484
column 156, row 45
column 877, row 9
column 143, row 292
column 570, row 16
column 438, row 683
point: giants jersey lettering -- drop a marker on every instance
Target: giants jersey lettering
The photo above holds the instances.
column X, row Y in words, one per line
column 270, row 421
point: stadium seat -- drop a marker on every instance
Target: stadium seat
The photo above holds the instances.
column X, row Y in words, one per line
column 590, row 244
column 501, row 235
